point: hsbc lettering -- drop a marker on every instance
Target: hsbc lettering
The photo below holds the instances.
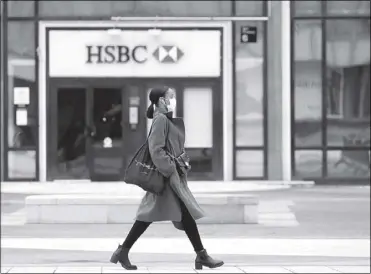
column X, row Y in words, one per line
column 119, row 54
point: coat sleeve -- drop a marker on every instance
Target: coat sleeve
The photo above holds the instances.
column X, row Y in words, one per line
column 157, row 146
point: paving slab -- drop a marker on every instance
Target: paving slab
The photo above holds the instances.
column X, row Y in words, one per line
column 41, row 269
column 121, row 270
column 171, row 270
column 311, row 269
column 5, row 269
column 264, row 269
column 78, row 270
column 352, row 269
column 221, row 270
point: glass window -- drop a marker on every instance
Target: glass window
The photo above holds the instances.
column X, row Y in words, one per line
column 135, row 8
column 199, row 132
column 21, row 8
column 308, row 83
column 249, row 87
column 348, row 163
column 250, row 8
column 21, row 164
column 249, row 163
column 22, row 89
column 307, row 8
column 348, row 82
column 348, row 7
column 308, row 163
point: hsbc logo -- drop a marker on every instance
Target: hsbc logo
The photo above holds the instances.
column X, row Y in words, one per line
column 122, row 54
column 168, row 54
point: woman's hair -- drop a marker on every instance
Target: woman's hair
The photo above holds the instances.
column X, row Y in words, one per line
column 154, row 95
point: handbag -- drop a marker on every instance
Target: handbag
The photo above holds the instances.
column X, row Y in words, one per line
column 142, row 172
column 182, row 163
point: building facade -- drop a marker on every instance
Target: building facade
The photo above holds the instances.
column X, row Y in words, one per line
column 266, row 89
column 331, row 90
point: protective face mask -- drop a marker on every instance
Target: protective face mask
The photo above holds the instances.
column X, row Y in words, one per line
column 172, row 105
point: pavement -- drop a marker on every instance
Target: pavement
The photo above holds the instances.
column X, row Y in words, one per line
column 301, row 230
column 225, row 269
column 87, row 187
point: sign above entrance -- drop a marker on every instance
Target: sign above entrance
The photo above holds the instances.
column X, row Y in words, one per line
column 95, row 53
column 121, row 54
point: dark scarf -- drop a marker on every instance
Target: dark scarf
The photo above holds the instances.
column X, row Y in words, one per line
column 163, row 110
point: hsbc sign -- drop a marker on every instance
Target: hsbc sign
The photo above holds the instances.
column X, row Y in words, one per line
column 168, row 54
column 122, row 54
column 135, row 53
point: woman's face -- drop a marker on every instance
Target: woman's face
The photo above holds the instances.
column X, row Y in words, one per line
column 169, row 100
column 170, row 94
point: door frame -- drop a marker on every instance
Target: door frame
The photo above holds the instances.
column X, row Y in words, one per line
column 52, row 107
column 143, row 83
column 89, row 118
column 226, row 75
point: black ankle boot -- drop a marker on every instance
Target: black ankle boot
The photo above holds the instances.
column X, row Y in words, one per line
column 203, row 259
column 122, row 255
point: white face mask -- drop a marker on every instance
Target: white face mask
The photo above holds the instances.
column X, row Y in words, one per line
column 172, row 105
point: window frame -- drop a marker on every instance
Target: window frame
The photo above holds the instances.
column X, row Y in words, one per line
column 264, row 146
column 265, row 14
column 6, row 148
column 24, row 17
column 324, row 147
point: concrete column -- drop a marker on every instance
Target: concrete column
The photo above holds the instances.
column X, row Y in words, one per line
column 2, row 166
column 279, row 106
column 286, row 90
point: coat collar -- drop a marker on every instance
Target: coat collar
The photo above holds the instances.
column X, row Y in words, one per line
column 159, row 110
column 162, row 110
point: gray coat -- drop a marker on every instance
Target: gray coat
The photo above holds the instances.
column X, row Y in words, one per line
column 166, row 207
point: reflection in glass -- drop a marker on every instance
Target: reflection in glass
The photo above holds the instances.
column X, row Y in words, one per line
column 307, row 8
column 250, row 8
column 308, row 164
column 347, row 8
column 71, row 138
column 21, row 8
column 21, row 73
column 106, row 131
column 348, row 163
column 348, row 82
column 308, row 83
column 201, row 160
column 22, row 164
column 107, row 115
column 249, row 163
column 249, row 88
column 135, row 8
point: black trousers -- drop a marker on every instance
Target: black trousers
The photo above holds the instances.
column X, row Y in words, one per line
column 189, row 224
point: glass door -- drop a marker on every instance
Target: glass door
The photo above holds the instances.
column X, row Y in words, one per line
column 94, row 128
column 105, row 133
column 115, row 129
column 66, row 124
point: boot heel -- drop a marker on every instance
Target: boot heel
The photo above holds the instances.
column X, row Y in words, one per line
column 198, row 266
column 114, row 259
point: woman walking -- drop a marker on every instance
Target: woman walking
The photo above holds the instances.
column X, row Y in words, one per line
column 176, row 203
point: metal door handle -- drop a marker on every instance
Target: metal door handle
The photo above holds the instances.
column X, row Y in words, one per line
column 89, row 132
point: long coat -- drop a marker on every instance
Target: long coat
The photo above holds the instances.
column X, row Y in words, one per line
column 168, row 135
